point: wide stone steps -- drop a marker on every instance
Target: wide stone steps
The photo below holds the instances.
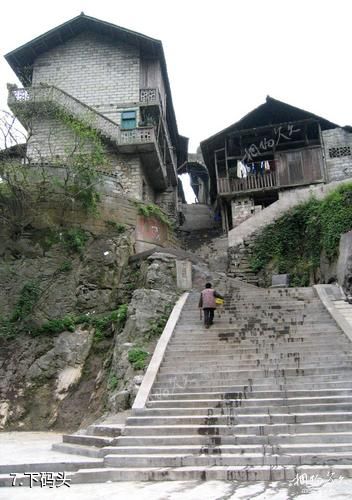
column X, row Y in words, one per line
column 264, row 394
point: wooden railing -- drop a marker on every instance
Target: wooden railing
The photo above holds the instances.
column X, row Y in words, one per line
column 250, row 183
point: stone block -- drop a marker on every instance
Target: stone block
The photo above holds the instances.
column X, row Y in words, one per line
column 184, row 274
column 280, row 280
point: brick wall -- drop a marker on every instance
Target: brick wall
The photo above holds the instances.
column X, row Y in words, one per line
column 168, row 201
column 338, row 154
column 95, row 70
column 105, row 75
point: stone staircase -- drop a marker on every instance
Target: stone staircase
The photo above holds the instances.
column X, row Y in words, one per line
column 198, row 216
column 239, row 262
column 264, row 394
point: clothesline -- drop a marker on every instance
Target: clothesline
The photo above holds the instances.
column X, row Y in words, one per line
column 250, row 168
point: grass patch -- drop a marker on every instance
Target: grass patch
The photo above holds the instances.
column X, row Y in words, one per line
column 28, row 297
column 138, row 357
column 116, row 226
column 65, row 267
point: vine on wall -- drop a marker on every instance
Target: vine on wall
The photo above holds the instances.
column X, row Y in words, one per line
column 294, row 243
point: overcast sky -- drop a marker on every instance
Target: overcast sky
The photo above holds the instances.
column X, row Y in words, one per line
column 223, row 56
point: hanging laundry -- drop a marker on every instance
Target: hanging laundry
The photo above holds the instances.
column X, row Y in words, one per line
column 241, row 170
column 267, row 166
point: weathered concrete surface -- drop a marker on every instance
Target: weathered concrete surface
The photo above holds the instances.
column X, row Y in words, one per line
column 32, row 447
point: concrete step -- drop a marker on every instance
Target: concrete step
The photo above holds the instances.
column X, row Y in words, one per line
column 211, row 449
column 233, row 361
column 241, row 440
column 76, row 449
column 235, row 419
column 268, row 408
column 110, row 430
column 178, row 383
column 293, row 393
column 270, row 355
column 203, row 473
column 271, row 345
column 85, row 439
column 244, row 459
column 64, row 465
column 311, row 401
column 224, row 429
column 243, row 375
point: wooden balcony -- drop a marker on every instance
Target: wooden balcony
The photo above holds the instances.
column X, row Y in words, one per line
column 257, row 182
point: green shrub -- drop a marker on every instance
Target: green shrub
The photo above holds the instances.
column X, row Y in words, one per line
column 58, row 325
column 137, row 357
column 28, row 297
column 65, row 267
column 117, row 226
column 113, row 382
column 293, row 243
column 75, row 239
column 7, row 328
column 152, row 210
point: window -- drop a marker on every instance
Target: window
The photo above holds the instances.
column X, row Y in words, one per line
column 340, row 151
column 128, row 120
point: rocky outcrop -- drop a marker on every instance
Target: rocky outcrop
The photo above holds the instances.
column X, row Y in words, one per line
column 148, row 311
column 64, row 379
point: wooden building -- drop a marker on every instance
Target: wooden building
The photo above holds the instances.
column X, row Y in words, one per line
column 273, row 148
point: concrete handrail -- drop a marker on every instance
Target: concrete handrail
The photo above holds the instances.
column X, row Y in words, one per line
column 333, row 311
column 158, row 356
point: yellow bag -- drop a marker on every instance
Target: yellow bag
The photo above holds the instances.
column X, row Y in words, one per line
column 219, row 302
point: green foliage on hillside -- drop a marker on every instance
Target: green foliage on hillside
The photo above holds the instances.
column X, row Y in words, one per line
column 294, row 243
column 138, row 358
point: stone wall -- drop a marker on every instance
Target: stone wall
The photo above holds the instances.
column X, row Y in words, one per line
column 242, row 209
column 168, row 201
column 338, row 154
column 96, row 70
column 52, row 142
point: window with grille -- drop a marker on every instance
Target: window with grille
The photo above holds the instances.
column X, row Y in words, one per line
column 340, row 151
